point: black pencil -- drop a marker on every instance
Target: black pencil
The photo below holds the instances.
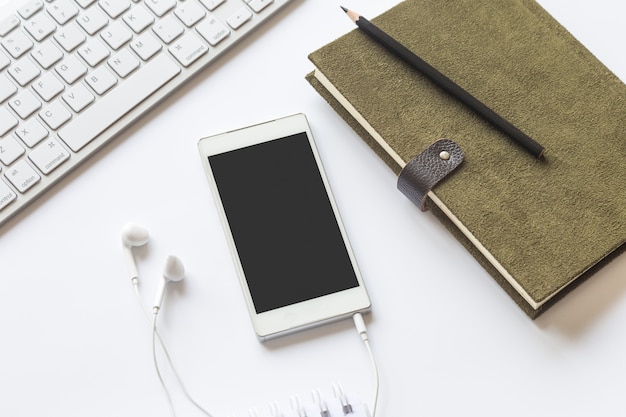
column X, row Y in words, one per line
column 445, row 83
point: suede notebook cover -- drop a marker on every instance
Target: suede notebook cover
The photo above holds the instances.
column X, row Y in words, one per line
column 539, row 227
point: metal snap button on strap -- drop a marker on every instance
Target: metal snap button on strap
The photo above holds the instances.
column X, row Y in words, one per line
column 425, row 170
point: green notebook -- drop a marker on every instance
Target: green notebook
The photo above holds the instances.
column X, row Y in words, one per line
column 539, row 227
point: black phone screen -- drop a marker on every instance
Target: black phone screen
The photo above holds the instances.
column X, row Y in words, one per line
column 285, row 231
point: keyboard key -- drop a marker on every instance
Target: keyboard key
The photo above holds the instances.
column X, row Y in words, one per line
column 40, row 27
column 49, row 155
column 55, row 115
column 7, row 88
column 211, row 4
column 188, row 49
column 62, row 11
column 22, row 176
column 7, row 121
column 69, row 37
column 10, row 150
column 24, row 71
column 48, row 86
column 258, row 5
column 138, row 18
column 92, row 20
column 6, row 195
column 118, row 102
column 101, row 80
column 123, row 63
column 17, row 43
column 239, row 18
column 30, row 8
column 168, row 29
column 146, row 46
column 85, row 3
column 25, row 104
column 31, row 132
column 116, row 35
column 46, row 54
column 71, row 69
column 160, row 7
column 213, row 30
column 8, row 24
column 190, row 13
column 4, row 61
column 114, row 8
column 94, row 52
column 78, row 97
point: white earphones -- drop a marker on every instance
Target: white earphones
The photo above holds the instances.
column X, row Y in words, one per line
column 133, row 235
column 173, row 271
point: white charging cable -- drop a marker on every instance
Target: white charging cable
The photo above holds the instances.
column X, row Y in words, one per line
column 362, row 330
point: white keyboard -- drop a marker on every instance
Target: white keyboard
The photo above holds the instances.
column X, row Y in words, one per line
column 74, row 73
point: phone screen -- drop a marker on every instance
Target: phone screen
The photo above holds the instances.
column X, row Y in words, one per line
column 282, row 222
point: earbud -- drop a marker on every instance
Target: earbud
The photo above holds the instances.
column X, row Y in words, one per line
column 173, row 271
column 133, row 235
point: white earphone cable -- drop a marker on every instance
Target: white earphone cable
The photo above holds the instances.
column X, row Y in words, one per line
column 156, row 367
column 156, row 336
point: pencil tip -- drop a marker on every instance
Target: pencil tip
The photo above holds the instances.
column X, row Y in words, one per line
column 351, row 15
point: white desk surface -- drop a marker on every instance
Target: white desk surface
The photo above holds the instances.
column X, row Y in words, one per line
column 449, row 342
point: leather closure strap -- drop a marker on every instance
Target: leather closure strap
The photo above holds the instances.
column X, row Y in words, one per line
column 425, row 170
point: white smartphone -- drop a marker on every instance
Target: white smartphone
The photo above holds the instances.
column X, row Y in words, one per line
column 290, row 249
